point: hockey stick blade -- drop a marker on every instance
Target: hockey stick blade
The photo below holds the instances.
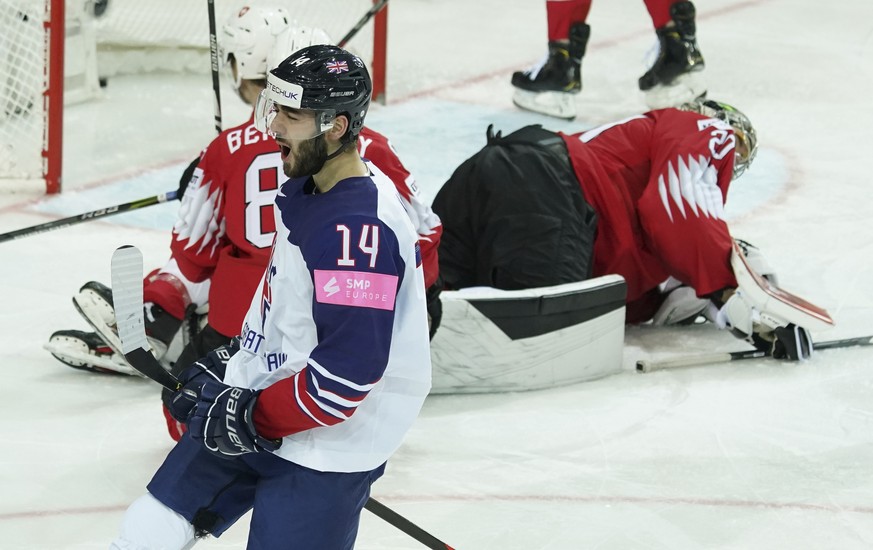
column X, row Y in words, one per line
column 644, row 365
column 127, row 296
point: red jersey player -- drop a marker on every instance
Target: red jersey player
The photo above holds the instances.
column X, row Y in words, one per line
column 651, row 209
column 549, row 87
column 222, row 238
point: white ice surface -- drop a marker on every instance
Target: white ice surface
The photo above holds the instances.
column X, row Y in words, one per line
column 758, row 454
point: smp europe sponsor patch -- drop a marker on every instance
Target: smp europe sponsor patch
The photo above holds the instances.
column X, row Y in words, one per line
column 356, row 289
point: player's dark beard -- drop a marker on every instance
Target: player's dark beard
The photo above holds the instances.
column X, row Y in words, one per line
column 308, row 159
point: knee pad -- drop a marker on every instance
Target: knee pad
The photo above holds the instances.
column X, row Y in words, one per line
column 149, row 524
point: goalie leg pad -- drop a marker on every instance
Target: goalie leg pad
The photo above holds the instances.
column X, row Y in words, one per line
column 498, row 341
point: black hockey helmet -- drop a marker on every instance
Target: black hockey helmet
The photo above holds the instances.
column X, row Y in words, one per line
column 324, row 79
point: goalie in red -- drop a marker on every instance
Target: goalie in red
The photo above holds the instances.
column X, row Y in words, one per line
column 642, row 198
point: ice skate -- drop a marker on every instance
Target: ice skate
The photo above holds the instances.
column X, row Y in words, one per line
column 677, row 74
column 94, row 303
column 550, row 86
column 555, row 104
column 86, row 351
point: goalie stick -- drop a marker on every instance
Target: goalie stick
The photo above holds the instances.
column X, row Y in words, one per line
column 127, row 295
column 88, row 216
column 644, row 365
column 773, row 302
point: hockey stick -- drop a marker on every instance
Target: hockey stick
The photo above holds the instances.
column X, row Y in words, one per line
column 360, row 24
column 213, row 54
column 380, row 510
column 127, row 296
column 644, row 365
column 87, row 216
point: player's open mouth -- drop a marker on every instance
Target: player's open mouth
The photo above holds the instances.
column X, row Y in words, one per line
column 284, row 151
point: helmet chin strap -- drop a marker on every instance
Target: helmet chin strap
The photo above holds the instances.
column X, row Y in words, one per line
column 340, row 149
column 343, row 146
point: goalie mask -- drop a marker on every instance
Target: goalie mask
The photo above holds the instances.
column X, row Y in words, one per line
column 747, row 139
column 312, row 87
column 247, row 37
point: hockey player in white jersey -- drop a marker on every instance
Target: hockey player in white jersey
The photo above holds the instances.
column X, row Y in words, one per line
column 334, row 362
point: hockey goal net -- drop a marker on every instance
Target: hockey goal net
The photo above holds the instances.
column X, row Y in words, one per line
column 39, row 72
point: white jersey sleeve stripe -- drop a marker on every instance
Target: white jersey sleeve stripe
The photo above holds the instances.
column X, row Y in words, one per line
column 330, row 376
column 334, row 398
column 300, row 379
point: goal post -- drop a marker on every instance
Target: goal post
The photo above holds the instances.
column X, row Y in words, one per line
column 53, row 96
column 57, row 52
column 379, row 63
column 31, row 93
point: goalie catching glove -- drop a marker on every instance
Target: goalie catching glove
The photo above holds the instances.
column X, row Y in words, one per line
column 780, row 339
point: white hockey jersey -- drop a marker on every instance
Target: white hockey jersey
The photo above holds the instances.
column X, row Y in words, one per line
column 337, row 336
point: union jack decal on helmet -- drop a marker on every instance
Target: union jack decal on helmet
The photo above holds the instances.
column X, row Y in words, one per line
column 337, row 67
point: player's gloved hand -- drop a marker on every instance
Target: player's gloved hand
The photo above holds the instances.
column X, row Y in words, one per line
column 792, row 343
column 212, row 367
column 779, row 339
column 222, row 421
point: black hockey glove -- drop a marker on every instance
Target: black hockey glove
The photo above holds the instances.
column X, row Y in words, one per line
column 222, row 421
column 785, row 342
column 434, row 307
column 792, row 343
column 211, row 367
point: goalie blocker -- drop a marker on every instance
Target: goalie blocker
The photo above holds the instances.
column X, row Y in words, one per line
column 494, row 340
